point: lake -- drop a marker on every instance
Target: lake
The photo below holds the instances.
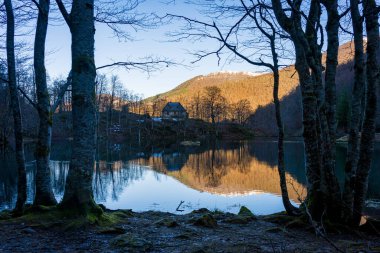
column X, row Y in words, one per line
column 219, row 176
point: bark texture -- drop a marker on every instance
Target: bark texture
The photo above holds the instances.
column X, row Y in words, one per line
column 15, row 105
column 290, row 209
column 356, row 112
column 332, row 29
column 78, row 189
column 323, row 188
column 44, row 192
column 367, row 139
column 309, row 103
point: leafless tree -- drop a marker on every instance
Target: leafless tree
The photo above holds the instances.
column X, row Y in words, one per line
column 15, row 106
column 258, row 21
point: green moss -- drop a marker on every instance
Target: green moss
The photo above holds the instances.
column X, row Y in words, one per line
column 69, row 220
column 237, row 220
column 112, row 231
column 130, row 240
column 202, row 210
column 217, row 211
column 207, row 221
column 167, row 222
column 5, row 215
column 123, row 213
column 279, row 218
column 244, row 211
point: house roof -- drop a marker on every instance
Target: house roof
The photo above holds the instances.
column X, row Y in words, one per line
column 174, row 106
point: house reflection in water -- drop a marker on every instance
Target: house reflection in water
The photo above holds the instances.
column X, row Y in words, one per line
column 219, row 174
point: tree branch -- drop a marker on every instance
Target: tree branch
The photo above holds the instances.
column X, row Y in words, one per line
column 28, row 98
column 148, row 65
column 4, row 80
column 38, row 6
column 64, row 12
column 61, row 93
column 221, row 38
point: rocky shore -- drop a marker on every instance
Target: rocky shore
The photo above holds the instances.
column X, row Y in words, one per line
column 199, row 231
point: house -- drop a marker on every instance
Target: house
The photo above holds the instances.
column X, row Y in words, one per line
column 174, row 111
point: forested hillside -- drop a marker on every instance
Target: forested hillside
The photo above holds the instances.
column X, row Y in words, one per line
column 258, row 90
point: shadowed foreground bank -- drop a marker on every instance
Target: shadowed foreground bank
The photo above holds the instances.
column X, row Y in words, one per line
column 199, row 231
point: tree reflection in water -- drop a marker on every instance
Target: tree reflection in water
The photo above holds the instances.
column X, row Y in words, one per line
column 228, row 169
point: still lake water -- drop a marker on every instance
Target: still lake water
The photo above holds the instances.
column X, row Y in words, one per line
column 221, row 176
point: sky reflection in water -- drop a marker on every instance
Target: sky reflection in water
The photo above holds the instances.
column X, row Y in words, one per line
column 222, row 176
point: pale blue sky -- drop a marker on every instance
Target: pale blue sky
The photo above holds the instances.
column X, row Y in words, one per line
column 147, row 43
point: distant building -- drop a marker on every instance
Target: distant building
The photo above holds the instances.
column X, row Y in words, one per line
column 174, row 111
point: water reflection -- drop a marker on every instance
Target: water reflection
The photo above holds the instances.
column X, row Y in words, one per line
column 219, row 175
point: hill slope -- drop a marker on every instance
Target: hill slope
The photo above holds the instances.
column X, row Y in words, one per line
column 258, row 90
column 235, row 86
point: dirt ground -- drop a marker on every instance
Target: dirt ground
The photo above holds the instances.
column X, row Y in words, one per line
column 200, row 231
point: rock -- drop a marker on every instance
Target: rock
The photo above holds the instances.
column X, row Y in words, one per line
column 243, row 217
column 202, row 210
column 199, row 251
column 131, row 241
column 207, row 221
column 112, row 231
column 183, row 236
column 123, row 213
column 167, row 222
column 244, row 211
column 274, row 230
column 28, row 231
column 186, row 235
column 238, row 220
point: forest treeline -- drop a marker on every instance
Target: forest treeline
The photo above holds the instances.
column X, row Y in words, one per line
column 257, row 89
column 262, row 33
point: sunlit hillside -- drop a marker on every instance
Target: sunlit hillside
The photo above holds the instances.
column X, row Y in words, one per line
column 258, row 89
column 235, row 86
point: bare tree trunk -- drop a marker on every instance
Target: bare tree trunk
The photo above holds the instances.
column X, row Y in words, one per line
column 15, row 105
column 329, row 183
column 310, row 135
column 356, row 100
column 290, row 209
column 78, row 189
column 332, row 29
column 367, row 139
column 44, row 192
column 318, row 119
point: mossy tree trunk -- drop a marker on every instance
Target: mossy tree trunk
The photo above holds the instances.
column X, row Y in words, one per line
column 44, row 193
column 15, row 105
column 78, row 190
